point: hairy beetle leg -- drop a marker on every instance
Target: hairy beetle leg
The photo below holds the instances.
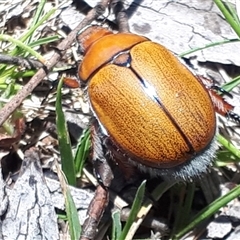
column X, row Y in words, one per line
column 95, row 211
column 221, row 106
column 104, row 176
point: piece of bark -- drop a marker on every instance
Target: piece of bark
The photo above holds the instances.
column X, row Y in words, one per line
column 81, row 197
column 30, row 213
column 219, row 227
column 235, row 234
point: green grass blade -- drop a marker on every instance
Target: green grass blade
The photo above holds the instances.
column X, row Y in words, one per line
column 208, row 211
column 229, row 86
column 134, row 210
column 4, row 86
column 26, row 73
column 208, row 46
column 64, row 140
column 39, row 23
column 22, row 45
column 147, row 205
column 36, row 17
column 161, row 189
column 184, row 208
column 72, row 216
column 71, row 210
column 229, row 146
column 225, row 9
column 117, row 226
column 82, row 152
column 45, row 40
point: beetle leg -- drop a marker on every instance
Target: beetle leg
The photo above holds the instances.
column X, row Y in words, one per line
column 95, row 212
column 104, row 175
column 97, row 11
column 118, row 9
column 209, row 84
column 221, row 90
column 221, row 106
column 120, row 15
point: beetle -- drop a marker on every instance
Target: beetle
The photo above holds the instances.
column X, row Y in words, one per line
column 150, row 110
